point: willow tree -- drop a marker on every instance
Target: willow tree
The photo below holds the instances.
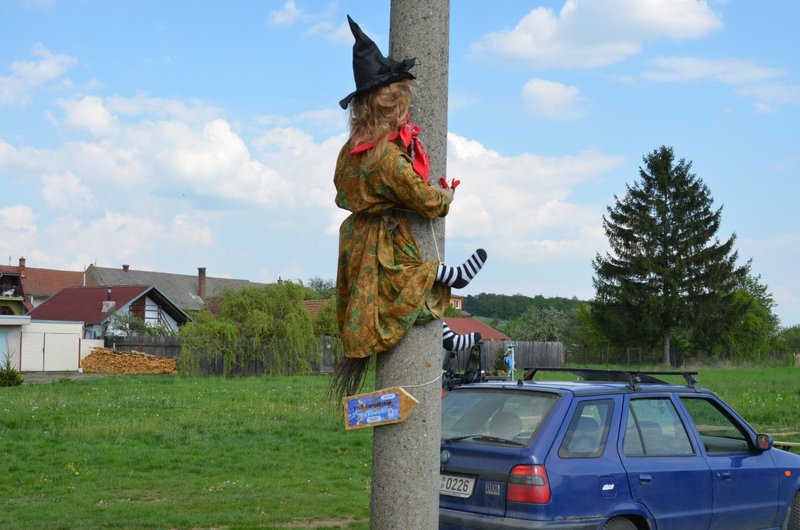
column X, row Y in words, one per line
column 666, row 268
column 260, row 324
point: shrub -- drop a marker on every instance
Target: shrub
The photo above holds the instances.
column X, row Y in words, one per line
column 9, row 376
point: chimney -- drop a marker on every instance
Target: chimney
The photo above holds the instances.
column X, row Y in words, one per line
column 125, row 267
column 22, row 267
column 201, row 282
column 108, row 303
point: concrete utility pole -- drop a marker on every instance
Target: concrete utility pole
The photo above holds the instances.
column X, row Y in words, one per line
column 405, row 456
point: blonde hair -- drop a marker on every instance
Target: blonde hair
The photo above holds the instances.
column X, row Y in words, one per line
column 379, row 112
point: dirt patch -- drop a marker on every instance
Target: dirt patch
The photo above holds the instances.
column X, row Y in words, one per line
column 35, row 378
column 318, row 523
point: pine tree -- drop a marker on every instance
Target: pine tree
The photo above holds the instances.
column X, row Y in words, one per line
column 666, row 268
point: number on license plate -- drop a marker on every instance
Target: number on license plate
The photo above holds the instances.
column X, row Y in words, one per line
column 456, row 486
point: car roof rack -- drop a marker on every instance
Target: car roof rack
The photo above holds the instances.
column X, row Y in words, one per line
column 633, row 377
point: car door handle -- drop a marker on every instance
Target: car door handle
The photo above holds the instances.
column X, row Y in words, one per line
column 645, row 479
column 725, row 475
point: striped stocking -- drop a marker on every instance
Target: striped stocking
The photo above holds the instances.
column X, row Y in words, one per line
column 452, row 341
column 460, row 276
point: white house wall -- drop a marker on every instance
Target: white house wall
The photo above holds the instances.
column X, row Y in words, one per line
column 153, row 316
column 9, row 345
column 51, row 346
column 10, row 336
column 152, row 311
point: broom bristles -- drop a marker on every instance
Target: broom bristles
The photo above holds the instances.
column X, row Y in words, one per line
column 348, row 377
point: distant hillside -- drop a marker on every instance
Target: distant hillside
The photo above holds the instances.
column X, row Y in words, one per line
column 506, row 307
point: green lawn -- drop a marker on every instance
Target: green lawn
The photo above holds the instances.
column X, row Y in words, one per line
column 175, row 452
column 768, row 398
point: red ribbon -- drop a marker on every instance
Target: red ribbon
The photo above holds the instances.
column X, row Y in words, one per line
column 408, row 134
column 453, row 183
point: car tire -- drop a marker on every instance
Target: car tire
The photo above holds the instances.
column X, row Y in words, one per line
column 619, row 523
column 794, row 514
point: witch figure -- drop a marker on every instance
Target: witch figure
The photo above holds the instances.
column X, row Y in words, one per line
column 383, row 286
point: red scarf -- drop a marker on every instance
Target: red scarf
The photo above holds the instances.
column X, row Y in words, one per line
column 408, row 135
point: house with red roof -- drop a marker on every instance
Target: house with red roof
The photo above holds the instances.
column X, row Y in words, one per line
column 23, row 288
column 460, row 325
column 96, row 307
column 12, row 303
column 463, row 325
column 31, row 286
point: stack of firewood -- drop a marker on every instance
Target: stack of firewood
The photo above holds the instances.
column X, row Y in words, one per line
column 132, row 362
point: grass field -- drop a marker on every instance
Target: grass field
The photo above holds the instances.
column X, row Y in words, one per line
column 174, row 452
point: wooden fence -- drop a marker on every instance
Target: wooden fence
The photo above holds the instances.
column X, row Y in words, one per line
column 168, row 347
column 527, row 354
column 330, row 350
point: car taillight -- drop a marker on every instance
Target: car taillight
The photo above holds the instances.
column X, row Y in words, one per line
column 528, row 483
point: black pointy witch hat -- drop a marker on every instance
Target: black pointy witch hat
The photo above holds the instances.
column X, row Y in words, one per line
column 370, row 68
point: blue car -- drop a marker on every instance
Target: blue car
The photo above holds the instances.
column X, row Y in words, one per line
column 610, row 450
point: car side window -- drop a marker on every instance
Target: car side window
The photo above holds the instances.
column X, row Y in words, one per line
column 588, row 430
column 719, row 433
column 653, row 428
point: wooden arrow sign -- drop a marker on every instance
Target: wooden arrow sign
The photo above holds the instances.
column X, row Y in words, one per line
column 382, row 407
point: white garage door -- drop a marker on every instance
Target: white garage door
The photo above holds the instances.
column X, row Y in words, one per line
column 32, row 352
column 53, row 352
column 61, row 351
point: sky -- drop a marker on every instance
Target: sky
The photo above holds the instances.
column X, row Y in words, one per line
column 183, row 134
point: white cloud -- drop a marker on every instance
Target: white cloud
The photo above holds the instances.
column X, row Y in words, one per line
column 154, row 151
column 137, row 238
column 306, row 166
column 51, row 66
column 17, row 217
column 317, row 23
column 775, row 258
column 325, row 121
column 522, row 203
column 27, row 75
column 88, row 114
column 759, row 82
column 5, row 151
column 770, row 96
column 66, row 191
column 589, row 34
column 18, row 226
column 552, row 100
column 215, row 161
column 336, row 33
column 142, row 105
column 286, row 16
column 186, row 228
column 12, row 90
column 730, row 71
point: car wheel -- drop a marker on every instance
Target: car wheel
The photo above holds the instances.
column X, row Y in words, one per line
column 794, row 514
column 619, row 523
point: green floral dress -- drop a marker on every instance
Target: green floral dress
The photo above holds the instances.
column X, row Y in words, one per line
column 383, row 286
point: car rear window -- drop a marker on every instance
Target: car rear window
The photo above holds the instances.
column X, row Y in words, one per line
column 492, row 416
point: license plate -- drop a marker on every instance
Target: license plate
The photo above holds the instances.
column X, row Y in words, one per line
column 456, row 486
